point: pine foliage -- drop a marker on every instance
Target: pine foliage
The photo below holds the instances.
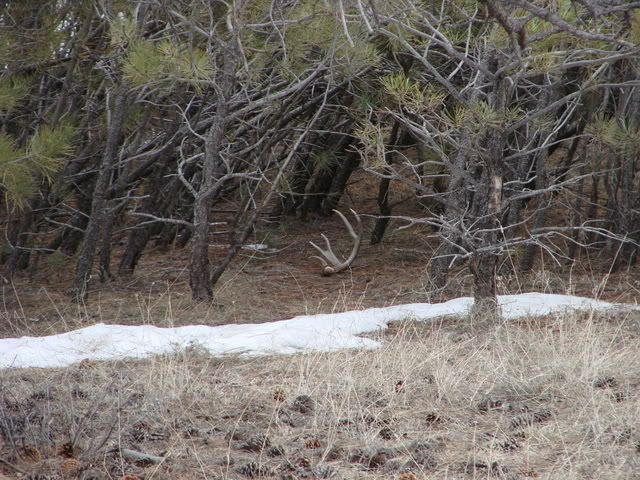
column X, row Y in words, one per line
column 21, row 170
column 49, row 147
column 165, row 64
column 12, row 90
column 15, row 173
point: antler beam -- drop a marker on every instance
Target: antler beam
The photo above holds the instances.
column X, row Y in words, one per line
column 330, row 262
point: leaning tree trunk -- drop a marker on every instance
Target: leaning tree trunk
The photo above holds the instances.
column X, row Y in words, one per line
column 296, row 181
column 629, row 217
column 319, row 187
column 526, row 264
column 339, row 183
column 99, row 213
column 12, row 231
column 576, row 216
column 152, row 204
column 104, row 262
column 626, row 216
column 383, row 190
column 20, row 237
column 238, row 240
column 78, row 225
column 212, row 171
column 19, row 258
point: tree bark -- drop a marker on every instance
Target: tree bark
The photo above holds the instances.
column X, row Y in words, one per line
column 453, row 212
column 383, row 190
column 160, row 195
column 319, row 187
column 528, row 257
column 72, row 238
column 213, row 169
column 487, row 209
column 576, row 217
column 99, row 213
column 339, row 183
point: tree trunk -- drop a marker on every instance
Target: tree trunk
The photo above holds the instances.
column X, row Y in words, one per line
column 339, row 183
column 292, row 198
column 104, row 262
column 576, row 216
column 320, row 185
column 484, row 264
column 210, row 185
column 483, row 267
column 19, row 258
column 99, row 213
column 526, row 264
column 78, row 224
column 238, row 240
column 199, row 258
column 153, row 203
column 316, row 190
column 453, row 212
column 12, row 232
column 21, row 236
column 296, row 182
column 383, row 190
column 487, row 211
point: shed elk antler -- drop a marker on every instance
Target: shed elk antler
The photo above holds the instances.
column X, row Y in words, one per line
column 330, row 262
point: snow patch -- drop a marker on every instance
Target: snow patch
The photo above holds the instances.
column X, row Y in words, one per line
column 307, row 333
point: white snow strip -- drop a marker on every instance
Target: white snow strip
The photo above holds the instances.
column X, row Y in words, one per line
column 307, row 333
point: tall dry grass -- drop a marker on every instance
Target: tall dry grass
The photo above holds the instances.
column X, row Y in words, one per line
column 553, row 398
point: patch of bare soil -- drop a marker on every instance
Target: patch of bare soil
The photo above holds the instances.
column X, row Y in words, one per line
column 552, row 398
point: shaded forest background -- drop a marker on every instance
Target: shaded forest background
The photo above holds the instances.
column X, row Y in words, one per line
column 512, row 128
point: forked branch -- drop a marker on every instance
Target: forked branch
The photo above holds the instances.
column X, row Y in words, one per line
column 330, row 262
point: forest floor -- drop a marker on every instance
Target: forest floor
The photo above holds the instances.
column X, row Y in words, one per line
column 555, row 397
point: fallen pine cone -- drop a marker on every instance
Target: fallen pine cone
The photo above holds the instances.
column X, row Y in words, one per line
column 32, row 453
column 70, row 466
column 312, row 443
column 279, row 395
column 407, row 476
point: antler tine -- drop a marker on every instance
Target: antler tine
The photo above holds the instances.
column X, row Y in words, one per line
column 356, row 236
column 328, row 257
column 322, row 261
column 347, row 223
column 327, row 269
column 332, row 257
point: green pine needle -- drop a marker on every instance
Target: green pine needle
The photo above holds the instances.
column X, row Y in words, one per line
column 48, row 148
column 12, row 90
column 15, row 175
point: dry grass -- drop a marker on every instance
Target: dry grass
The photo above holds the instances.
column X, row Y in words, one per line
column 554, row 398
